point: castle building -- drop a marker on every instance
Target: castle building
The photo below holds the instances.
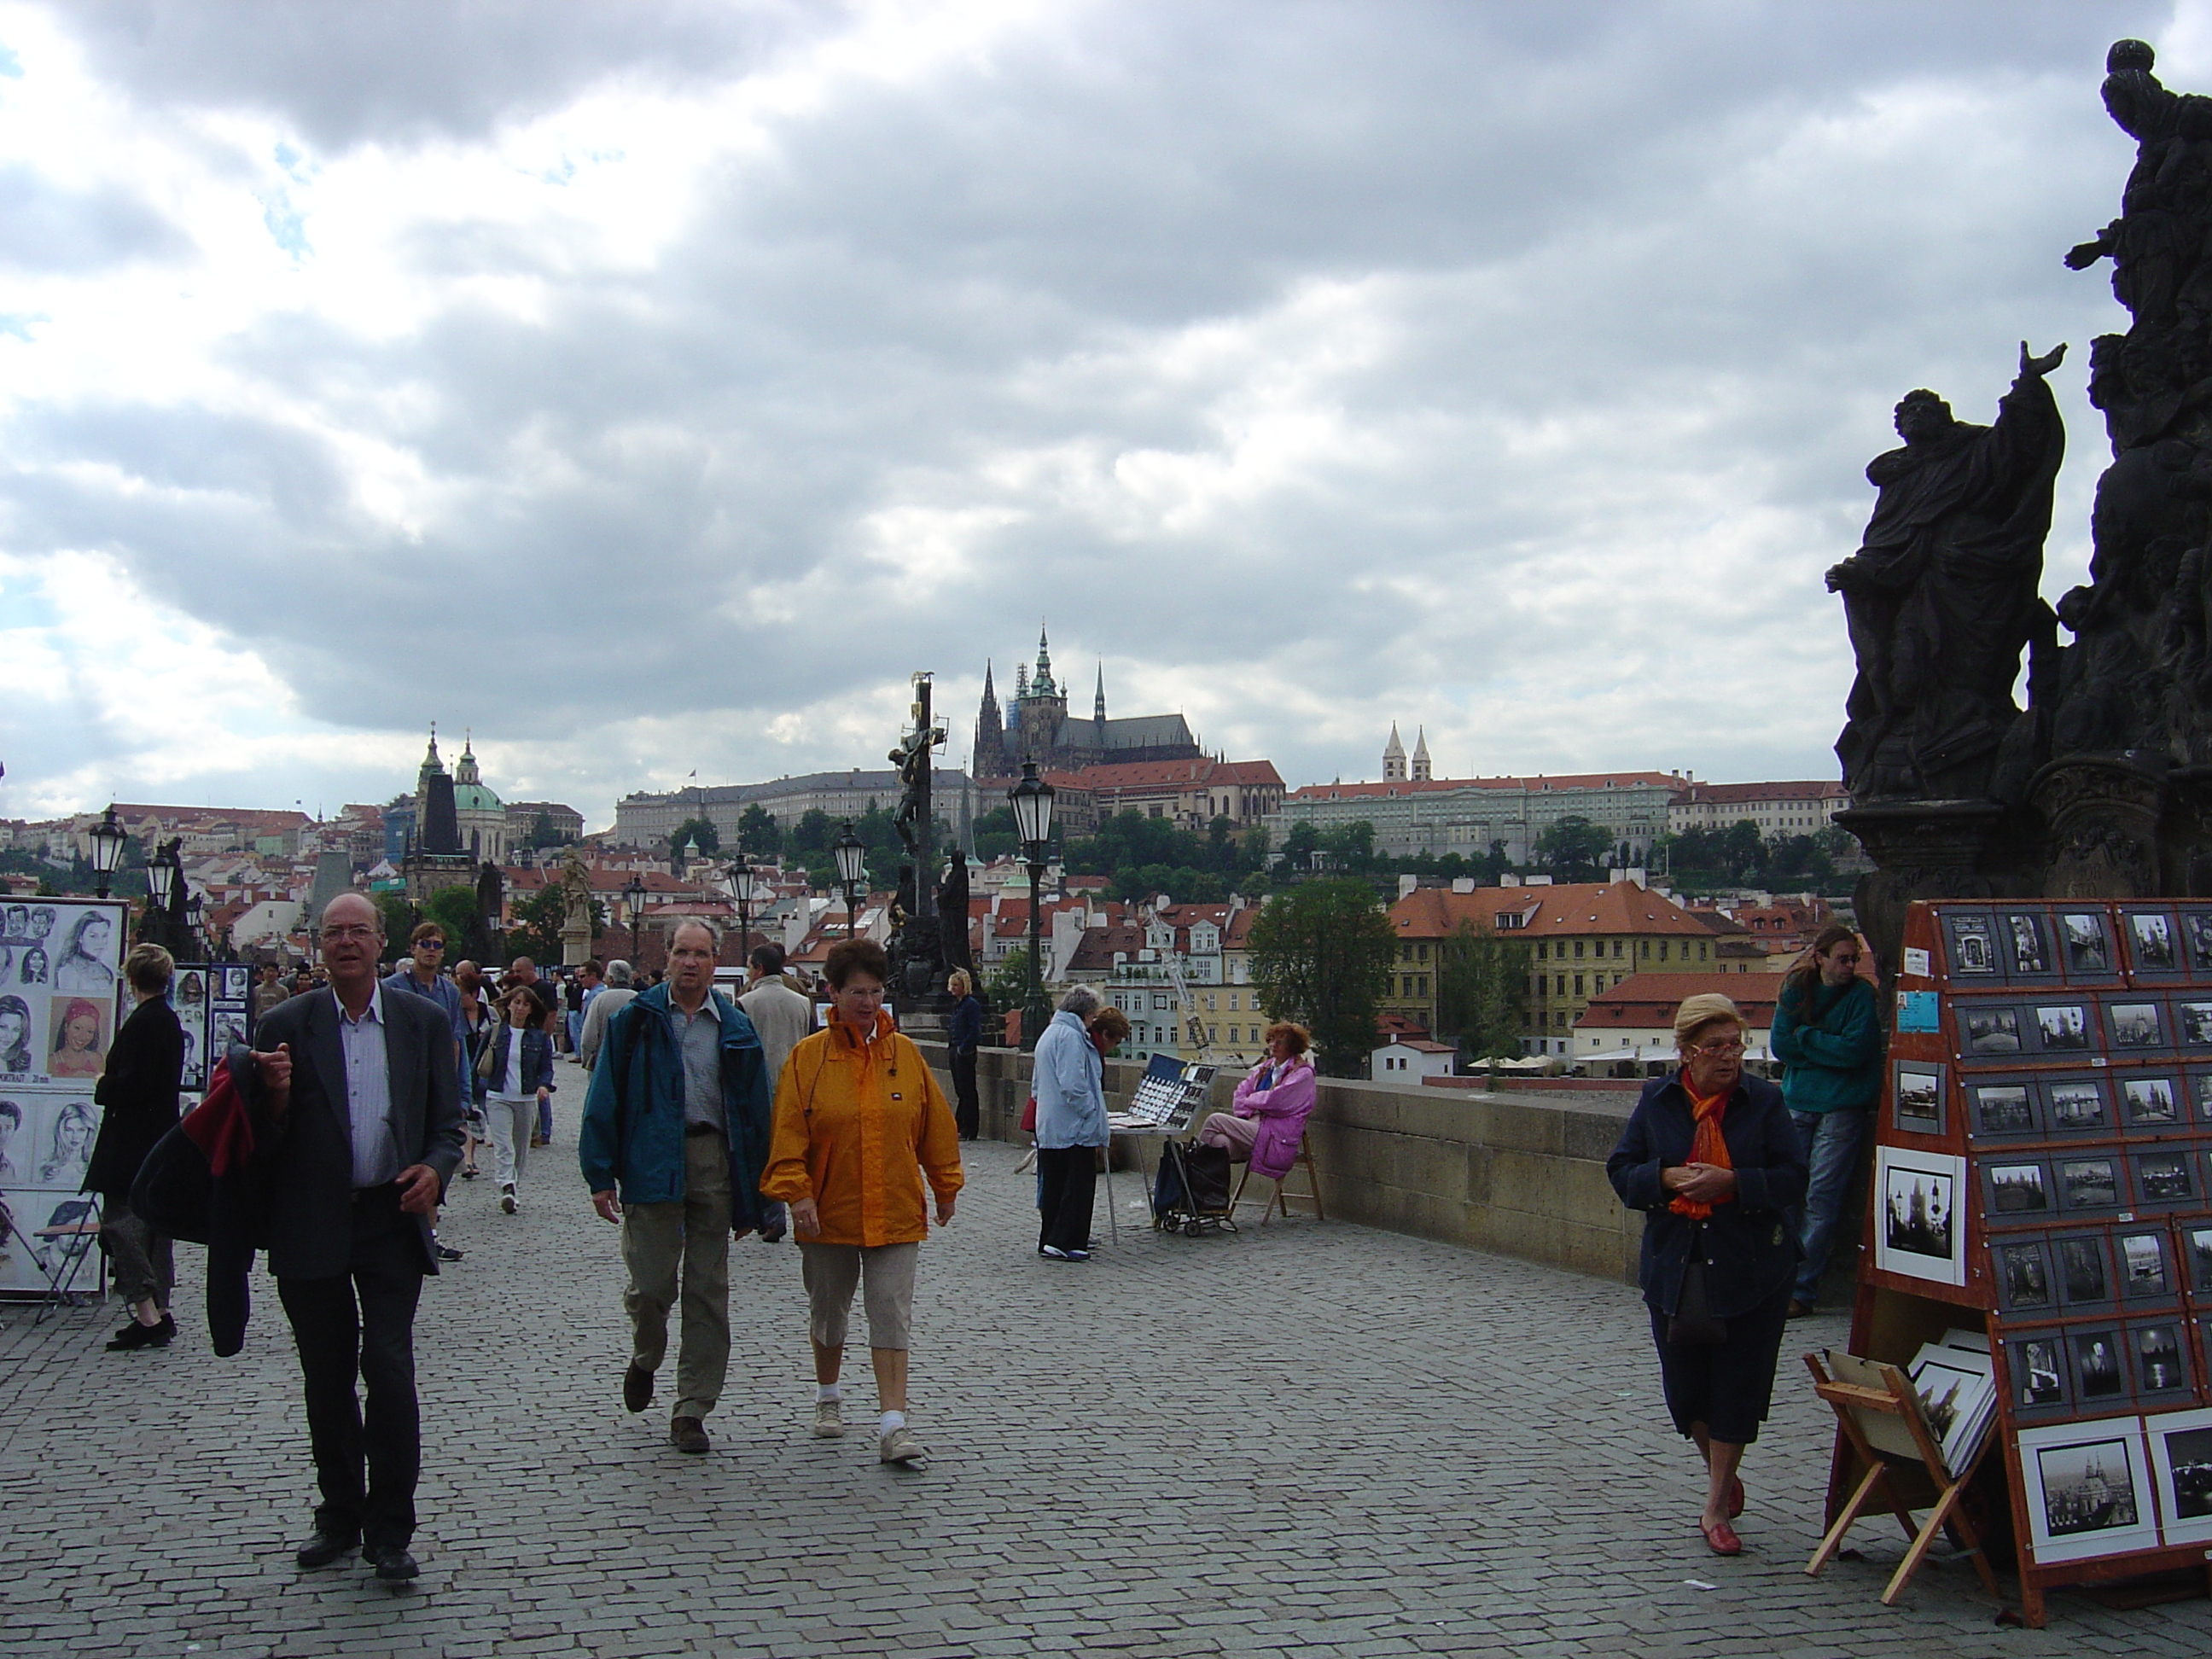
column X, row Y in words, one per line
column 1035, row 725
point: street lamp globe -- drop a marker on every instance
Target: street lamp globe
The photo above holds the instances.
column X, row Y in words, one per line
column 107, row 839
column 852, row 857
column 634, row 906
column 162, row 878
column 744, row 883
column 1031, row 799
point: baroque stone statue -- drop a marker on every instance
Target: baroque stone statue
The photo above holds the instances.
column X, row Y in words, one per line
column 1941, row 597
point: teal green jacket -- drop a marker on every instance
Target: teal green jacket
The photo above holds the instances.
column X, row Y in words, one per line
column 1831, row 1041
column 633, row 1133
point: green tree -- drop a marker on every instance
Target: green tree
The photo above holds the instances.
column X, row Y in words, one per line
column 758, row 833
column 454, row 910
column 1321, row 955
column 1350, row 846
column 398, row 917
column 996, row 837
column 1300, row 845
column 539, row 920
column 1007, row 985
column 698, row 831
column 542, row 834
column 1482, row 990
column 1573, row 848
column 813, row 833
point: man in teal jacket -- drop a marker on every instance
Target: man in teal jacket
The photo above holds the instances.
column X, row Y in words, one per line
column 1827, row 1033
column 674, row 1136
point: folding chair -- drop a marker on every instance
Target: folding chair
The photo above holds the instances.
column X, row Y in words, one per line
column 1881, row 1417
column 1281, row 1197
column 74, row 1225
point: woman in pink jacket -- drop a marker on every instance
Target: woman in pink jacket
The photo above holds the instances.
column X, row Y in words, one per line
column 1271, row 1106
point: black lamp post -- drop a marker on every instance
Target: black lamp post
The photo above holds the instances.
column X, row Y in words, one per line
column 1031, row 799
column 107, row 839
column 165, row 899
column 852, row 861
column 744, row 883
column 634, row 910
column 202, row 945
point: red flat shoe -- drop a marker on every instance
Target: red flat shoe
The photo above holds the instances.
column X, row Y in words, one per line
column 1721, row 1539
column 1736, row 1497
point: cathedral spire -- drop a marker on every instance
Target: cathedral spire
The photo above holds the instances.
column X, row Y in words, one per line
column 1040, row 682
column 1098, row 705
column 1394, row 757
column 1421, row 772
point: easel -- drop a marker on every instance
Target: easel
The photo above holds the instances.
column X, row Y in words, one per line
column 1868, row 1415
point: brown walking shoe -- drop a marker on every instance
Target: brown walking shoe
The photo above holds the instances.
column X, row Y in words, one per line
column 689, row 1434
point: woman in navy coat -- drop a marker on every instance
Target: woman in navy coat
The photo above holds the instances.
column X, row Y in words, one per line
column 1713, row 1159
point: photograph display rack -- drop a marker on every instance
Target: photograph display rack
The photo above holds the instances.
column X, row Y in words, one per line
column 2043, row 1158
column 1166, row 1098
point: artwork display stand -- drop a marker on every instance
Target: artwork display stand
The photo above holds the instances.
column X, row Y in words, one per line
column 1863, row 1412
column 2042, row 1164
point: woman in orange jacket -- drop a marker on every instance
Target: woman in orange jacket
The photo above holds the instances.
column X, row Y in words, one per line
column 859, row 1120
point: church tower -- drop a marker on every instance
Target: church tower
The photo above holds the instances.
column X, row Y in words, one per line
column 989, row 756
column 1098, row 713
column 432, row 767
column 1421, row 754
column 1394, row 757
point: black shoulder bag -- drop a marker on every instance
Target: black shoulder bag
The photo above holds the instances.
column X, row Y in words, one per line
column 1693, row 1324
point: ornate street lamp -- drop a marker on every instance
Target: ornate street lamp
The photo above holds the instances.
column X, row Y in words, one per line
column 852, row 861
column 743, row 884
column 107, row 839
column 1031, row 799
column 165, row 877
column 633, row 897
column 193, row 907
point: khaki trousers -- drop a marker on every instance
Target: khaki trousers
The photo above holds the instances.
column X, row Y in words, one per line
column 655, row 1239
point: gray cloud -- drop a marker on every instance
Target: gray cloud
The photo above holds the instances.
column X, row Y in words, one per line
column 50, row 230
column 1506, row 370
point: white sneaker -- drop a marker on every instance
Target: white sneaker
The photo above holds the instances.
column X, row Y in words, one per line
column 901, row 1445
column 829, row 1419
column 507, row 1200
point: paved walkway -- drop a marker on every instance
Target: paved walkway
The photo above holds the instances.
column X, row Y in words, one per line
column 1309, row 1439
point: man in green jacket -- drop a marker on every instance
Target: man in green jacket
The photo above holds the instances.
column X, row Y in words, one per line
column 674, row 1136
column 1827, row 1033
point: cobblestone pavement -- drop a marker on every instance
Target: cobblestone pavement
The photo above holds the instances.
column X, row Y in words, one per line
column 1306, row 1439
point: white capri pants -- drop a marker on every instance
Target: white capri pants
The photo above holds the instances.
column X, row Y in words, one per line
column 832, row 1271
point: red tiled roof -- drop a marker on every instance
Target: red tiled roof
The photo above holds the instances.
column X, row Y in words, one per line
column 1722, row 794
column 1644, row 1000
column 1160, row 774
column 1613, row 906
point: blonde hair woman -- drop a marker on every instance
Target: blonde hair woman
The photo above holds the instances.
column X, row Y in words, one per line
column 1712, row 1158
column 964, row 1035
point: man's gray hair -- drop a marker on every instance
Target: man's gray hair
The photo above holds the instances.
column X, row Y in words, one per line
column 714, row 934
column 1080, row 1001
column 619, row 972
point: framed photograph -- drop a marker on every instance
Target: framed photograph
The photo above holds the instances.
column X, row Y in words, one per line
column 2145, row 1258
column 2165, row 1179
column 1918, row 1097
column 2085, row 944
column 2064, row 1028
column 2197, row 941
column 2099, row 1368
column 2159, row 1351
column 2151, row 1104
column 2003, row 1109
column 1989, row 1031
column 2017, row 1192
column 1920, row 1234
column 2078, row 1106
column 2087, row 1488
column 2025, row 936
column 1970, row 937
column 2154, row 942
column 2181, row 1463
column 2035, row 1363
column 2197, row 1259
column 2090, row 1184
column 2135, row 1027
column 2192, row 1023
column 2021, row 1270
column 2081, row 1263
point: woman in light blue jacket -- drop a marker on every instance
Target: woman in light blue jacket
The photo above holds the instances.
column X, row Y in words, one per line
column 1068, row 1078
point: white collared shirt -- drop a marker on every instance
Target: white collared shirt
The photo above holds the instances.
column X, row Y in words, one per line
column 369, row 1091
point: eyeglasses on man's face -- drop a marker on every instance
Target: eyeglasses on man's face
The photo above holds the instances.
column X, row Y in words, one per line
column 349, row 930
column 1717, row 1051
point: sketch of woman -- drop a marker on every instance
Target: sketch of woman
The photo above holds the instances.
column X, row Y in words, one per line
column 35, row 966
column 190, row 993
column 80, row 967
column 77, row 1051
column 73, row 1134
column 15, row 1034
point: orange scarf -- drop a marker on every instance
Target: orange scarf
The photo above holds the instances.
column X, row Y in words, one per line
column 1706, row 1145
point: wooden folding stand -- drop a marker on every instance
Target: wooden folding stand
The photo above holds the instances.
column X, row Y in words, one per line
column 1872, row 1419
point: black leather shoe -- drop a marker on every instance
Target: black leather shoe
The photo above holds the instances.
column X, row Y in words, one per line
column 393, row 1564
column 325, row 1547
column 135, row 1335
column 637, row 1387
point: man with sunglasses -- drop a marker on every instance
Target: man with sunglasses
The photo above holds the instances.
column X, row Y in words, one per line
column 420, row 975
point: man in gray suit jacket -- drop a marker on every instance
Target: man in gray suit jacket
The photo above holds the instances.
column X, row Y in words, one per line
column 357, row 1122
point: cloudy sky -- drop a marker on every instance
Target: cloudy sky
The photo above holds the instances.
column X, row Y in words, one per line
column 650, row 386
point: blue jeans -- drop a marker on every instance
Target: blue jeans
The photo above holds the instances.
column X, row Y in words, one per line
column 1831, row 1152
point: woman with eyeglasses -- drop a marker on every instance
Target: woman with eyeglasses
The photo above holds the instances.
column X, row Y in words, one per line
column 1713, row 1159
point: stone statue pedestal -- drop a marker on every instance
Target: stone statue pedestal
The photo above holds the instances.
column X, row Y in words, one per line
column 1929, row 849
